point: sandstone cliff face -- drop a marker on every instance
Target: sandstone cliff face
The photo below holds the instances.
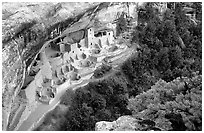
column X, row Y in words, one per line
column 26, row 27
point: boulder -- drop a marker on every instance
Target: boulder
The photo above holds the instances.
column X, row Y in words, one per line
column 105, row 126
column 123, row 123
column 127, row 123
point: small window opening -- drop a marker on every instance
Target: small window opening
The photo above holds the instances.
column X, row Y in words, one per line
column 99, row 34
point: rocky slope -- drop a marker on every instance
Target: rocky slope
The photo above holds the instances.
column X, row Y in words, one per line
column 26, row 27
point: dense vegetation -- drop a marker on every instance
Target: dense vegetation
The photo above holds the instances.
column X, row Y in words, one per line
column 175, row 105
column 102, row 71
column 103, row 100
column 162, row 83
column 171, row 49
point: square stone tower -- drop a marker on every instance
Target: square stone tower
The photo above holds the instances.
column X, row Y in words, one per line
column 90, row 37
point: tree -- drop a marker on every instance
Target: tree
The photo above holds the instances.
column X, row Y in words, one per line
column 164, row 100
column 121, row 24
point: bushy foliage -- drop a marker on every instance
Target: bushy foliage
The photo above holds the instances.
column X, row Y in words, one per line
column 100, row 72
column 98, row 101
column 166, row 99
column 121, row 24
column 67, row 98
